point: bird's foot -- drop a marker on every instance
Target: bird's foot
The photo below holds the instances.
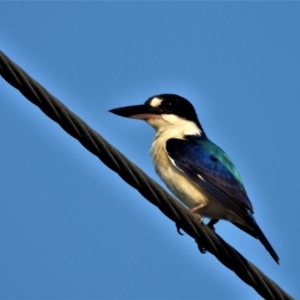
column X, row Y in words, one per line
column 196, row 208
column 211, row 224
column 191, row 210
column 200, row 247
column 178, row 229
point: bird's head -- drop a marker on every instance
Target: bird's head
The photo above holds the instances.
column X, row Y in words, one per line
column 164, row 112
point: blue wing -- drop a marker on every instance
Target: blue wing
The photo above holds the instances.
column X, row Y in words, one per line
column 208, row 166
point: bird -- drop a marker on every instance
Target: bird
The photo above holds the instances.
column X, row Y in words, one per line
column 197, row 171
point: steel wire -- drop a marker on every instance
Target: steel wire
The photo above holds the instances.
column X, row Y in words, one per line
column 129, row 172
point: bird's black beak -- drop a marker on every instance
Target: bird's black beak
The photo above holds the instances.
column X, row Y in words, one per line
column 142, row 112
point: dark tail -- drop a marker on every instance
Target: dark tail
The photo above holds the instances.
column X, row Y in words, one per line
column 256, row 232
column 265, row 242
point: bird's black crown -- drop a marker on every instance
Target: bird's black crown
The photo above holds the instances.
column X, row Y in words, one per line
column 177, row 105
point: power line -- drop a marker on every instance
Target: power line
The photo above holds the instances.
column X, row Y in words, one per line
column 111, row 157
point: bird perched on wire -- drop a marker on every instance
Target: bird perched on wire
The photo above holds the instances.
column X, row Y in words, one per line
column 197, row 171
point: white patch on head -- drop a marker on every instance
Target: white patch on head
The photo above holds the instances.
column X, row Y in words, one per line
column 155, row 102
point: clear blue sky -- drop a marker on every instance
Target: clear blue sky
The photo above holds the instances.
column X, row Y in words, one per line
column 69, row 226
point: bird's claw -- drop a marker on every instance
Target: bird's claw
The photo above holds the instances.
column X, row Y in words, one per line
column 211, row 227
column 211, row 224
column 200, row 247
column 178, row 229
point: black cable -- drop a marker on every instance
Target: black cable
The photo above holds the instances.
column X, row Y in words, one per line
column 134, row 176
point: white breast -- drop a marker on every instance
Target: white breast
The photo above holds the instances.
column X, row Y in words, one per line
column 185, row 190
column 170, row 126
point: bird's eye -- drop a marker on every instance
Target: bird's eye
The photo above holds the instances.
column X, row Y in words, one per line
column 169, row 103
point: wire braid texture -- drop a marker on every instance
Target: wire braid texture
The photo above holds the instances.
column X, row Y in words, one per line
column 134, row 176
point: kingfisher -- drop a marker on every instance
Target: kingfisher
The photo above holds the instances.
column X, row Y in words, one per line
column 198, row 172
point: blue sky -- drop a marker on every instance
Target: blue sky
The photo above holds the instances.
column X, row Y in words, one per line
column 69, row 226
